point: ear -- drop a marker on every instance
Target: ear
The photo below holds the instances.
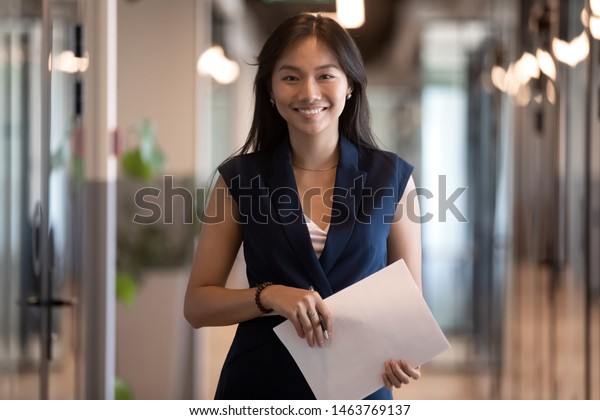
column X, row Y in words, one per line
column 271, row 100
column 350, row 89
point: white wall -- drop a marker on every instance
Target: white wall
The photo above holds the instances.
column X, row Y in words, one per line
column 156, row 75
column 156, row 80
column 159, row 42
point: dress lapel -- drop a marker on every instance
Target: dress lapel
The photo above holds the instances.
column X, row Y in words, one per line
column 287, row 211
column 349, row 182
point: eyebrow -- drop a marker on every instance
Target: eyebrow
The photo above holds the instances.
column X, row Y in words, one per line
column 318, row 68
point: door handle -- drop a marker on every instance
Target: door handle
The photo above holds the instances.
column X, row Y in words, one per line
column 36, row 238
column 39, row 301
column 54, row 302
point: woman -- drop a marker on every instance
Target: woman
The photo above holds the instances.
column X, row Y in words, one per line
column 316, row 204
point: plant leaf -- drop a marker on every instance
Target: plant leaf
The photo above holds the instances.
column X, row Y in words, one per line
column 135, row 166
column 126, row 289
column 122, row 390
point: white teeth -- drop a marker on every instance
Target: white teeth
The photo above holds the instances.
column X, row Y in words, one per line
column 310, row 111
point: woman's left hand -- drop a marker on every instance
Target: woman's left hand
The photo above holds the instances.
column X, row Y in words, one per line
column 399, row 372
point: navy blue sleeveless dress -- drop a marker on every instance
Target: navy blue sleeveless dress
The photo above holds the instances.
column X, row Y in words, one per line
column 277, row 248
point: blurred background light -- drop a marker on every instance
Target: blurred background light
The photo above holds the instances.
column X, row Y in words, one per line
column 214, row 63
column 573, row 52
column 351, row 13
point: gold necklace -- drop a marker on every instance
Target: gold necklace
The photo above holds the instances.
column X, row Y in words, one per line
column 315, row 170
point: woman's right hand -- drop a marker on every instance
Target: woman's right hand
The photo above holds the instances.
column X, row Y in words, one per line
column 302, row 308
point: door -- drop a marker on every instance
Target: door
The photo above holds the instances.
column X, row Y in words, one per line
column 593, row 233
column 40, row 202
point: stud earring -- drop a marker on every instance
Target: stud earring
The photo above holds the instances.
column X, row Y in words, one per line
column 272, row 102
column 348, row 96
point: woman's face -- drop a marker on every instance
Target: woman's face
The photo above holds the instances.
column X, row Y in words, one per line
column 309, row 88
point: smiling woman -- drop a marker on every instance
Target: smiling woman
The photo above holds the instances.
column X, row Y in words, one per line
column 304, row 197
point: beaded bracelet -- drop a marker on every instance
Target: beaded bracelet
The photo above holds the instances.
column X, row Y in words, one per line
column 259, row 290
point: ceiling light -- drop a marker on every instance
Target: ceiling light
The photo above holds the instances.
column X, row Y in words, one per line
column 573, row 52
column 546, row 63
column 595, row 26
column 551, row 93
column 595, row 7
column 351, row 13
column 213, row 62
column 67, row 62
column 527, row 68
column 585, row 17
column 499, row 78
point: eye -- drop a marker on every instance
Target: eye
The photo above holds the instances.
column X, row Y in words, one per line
column 326, row 76
column 289, row 78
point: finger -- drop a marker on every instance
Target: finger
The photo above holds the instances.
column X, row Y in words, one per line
column 298, row 326
column 307, row 327
column 326, row 316
column 399, row 373
column 389, row 372
column 395, row 383
column 317, row 328
column 386, row 382
column 413, row 372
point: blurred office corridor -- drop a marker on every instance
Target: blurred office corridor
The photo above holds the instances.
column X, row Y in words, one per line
column 495, row 102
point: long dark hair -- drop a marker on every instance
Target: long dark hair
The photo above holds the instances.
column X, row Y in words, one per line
column 268, row 127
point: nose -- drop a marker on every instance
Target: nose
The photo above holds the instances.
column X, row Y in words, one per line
column 309, row 91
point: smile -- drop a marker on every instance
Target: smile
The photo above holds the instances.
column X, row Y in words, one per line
column 313, row 111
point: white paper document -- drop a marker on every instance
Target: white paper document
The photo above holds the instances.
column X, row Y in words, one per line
column 382, row 317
